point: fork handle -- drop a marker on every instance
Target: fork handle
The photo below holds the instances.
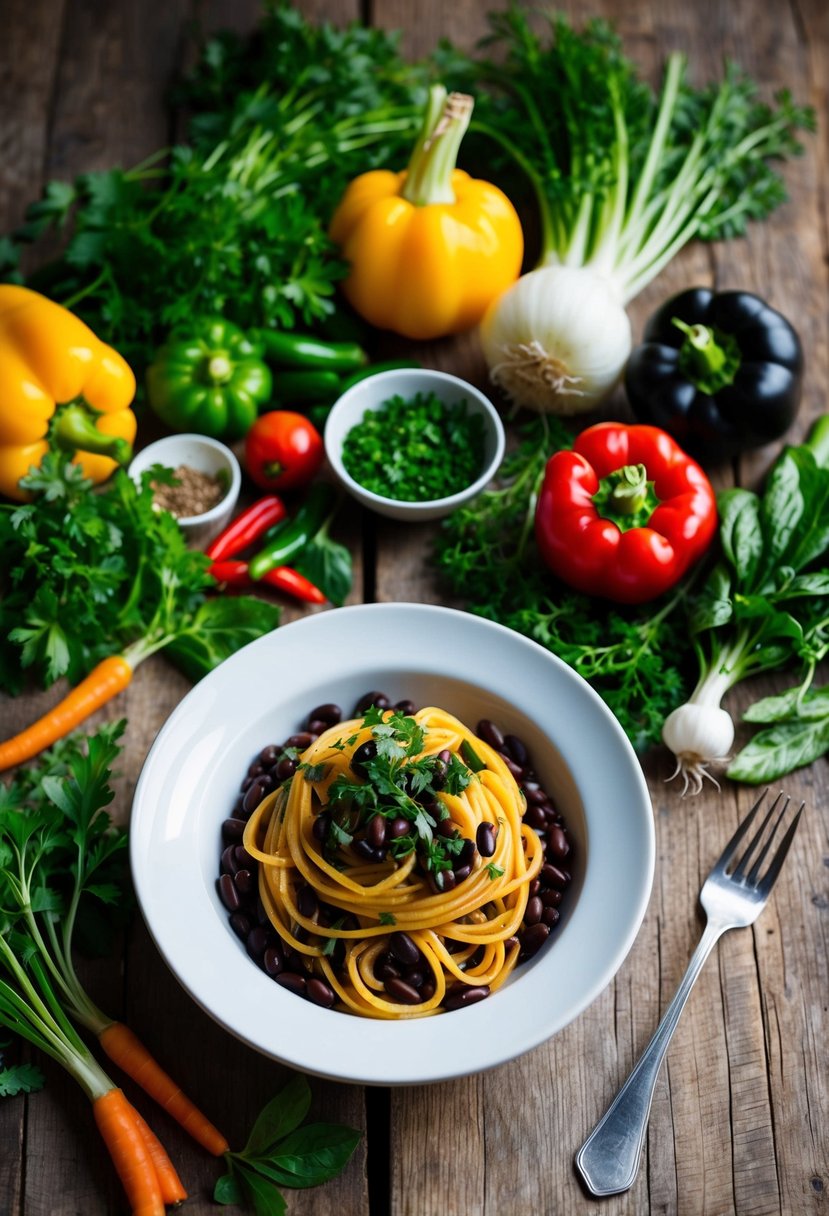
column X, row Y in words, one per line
column 608, row 1161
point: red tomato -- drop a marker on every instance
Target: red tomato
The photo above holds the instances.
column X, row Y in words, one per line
column 283, row 451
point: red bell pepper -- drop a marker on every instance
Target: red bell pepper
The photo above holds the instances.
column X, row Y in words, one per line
column 625, row 513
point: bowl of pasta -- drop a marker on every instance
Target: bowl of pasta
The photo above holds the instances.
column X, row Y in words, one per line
column 399, row 814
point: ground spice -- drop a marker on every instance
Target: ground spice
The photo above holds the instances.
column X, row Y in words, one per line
column 192, row 493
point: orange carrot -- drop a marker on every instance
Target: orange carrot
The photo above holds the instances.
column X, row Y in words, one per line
column 130, row 1054
column 106, row 679
column 130, row 1156
column 172, row 1189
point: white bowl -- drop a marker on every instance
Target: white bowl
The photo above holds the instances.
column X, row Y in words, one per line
column 371, row 394
column 433, row 655
column 208, row 456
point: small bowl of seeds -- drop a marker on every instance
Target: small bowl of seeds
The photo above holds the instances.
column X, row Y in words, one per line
column 199, row 484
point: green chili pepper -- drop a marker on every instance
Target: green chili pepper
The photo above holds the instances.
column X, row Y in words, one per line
column 299, row 386
column 209, row 378
column 391, row 365
column 289, row 538
column 304, row 351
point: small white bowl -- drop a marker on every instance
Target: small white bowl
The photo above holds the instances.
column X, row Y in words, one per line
column 208, row 456
column 371, row 394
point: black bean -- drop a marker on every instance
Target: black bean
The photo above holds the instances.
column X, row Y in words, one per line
column 552, row 876
column 376, row 831
column 462, row 872
column 557, row 842
column 404, row 949
column 329, row 713
column 233, row 829
column 485, row 839
column 427, row 989
column 447, row 828
column 533, row 792
column 550, row 916
column 269, row 755
column 306, row 901
column 366, row 851
column 321, row 825
column 533, row 938
column 229, row 863
column 414, row 978
column 245, row 882
column 398, row 827
column 285, row 768
column 365, row 752
column 533, row 911
column 301, row 740
column 516, row 769
column 442, row 882
column 228, row 893
column 378, row 699
column 408, row 708
column 402, row 992
column 273, row 961
column 490, row 733
column 316, row 726
column 535, row 817
column 253, row 796
column 552, row 898
column 256, row 768
column 319, row 992
column 439, row 771
column 257, row 941
column 468, row 853
column 534, row 887
column 293, row 982
column 240, row 924
column 386, row 970
column 517, row 749
column 244, row 860
column 458, row 996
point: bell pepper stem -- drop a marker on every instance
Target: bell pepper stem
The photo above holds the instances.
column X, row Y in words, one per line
column 709, row 359
column 628, row 489
column 74, row 430
column 701, row 344
column 219, row 369
column 435, row 155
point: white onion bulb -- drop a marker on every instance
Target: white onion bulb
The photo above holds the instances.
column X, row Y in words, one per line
column 557, row 340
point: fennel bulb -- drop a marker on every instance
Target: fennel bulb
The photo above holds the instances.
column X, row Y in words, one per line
column 557, row 340
column 623, row 180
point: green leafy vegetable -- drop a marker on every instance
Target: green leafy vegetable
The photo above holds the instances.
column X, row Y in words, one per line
column 281, row 1152
column 91, row 574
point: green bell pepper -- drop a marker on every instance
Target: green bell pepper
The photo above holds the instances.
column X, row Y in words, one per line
column 209, row 378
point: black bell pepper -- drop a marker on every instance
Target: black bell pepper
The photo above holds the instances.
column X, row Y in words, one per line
column 720, row 371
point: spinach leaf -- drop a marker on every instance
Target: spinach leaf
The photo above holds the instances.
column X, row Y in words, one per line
column 282, row 1115
column 328, row 565
column 780, row 749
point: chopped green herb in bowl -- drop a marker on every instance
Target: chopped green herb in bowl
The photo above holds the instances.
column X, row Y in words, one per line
column 414, row 443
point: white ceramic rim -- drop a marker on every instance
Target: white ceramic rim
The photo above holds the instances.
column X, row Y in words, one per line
column 384, row 383
column 191, row 776
column 152, row 454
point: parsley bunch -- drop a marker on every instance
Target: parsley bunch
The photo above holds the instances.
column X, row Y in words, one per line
column 88, row 575
column 486, row 554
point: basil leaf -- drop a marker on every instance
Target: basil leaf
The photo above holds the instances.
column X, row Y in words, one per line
column 281, row 1115
column 778, row 750
column 713, row 606
column 740, row 532
column 782, row 508
column 266, row 1199
column 220, row 627
column 228, row 1190
column 793, row 703
column 813, row 534
column 316, row 1153
column 328, row 565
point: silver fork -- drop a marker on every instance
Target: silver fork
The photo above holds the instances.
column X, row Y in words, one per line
column 732, row 897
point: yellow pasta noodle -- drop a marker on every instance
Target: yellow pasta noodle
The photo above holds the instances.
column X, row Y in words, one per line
column 344, row 902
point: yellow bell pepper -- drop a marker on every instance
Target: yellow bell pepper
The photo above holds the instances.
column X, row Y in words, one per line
column 59, row 386
column 431, row 247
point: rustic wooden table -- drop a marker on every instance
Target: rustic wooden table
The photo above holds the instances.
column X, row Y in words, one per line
column 740, row 1121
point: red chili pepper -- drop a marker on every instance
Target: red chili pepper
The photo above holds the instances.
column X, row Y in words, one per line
column 625, row 513
column 247, row 527
column 282, row 578
column 285, row 578
column 232, row 574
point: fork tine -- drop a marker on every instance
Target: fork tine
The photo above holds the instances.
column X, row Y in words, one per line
column 730, row 848
column 739, row 869
column 780, row 856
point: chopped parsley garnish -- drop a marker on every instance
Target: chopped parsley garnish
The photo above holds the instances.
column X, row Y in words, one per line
column 387, row 918
column 416, row 450
column 492, row 870
column 313, row 772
